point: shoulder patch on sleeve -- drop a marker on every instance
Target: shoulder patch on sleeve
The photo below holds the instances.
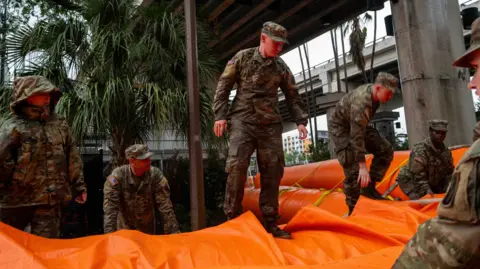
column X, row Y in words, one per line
column 112, row 180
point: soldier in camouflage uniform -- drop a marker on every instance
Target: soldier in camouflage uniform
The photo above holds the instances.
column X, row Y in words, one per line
column 41, row 166
column 451, row 240
column 352, row 136
column 430, row 165
column 133, row 191
column 254, row 121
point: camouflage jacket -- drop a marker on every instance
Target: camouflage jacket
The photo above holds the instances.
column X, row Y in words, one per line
column 428, row 170
column 348, row 123
column 258, row 80
column 450, row 240
column 129, row 201
column 46, row 165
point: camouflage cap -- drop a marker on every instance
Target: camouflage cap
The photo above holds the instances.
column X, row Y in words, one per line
column 464, row 60
column 138, row 151
column 387, row 80
column 275, row 31
column 438, row 125
column 23, row 87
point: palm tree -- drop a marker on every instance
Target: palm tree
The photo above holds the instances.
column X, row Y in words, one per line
column 333, row 36
column 121, row 67
column 372, row 77
column 357, row 42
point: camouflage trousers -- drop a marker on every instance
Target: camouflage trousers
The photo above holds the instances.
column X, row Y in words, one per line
column 244, row 140
column 383, row 155
column 442, row 244
column 44, row 220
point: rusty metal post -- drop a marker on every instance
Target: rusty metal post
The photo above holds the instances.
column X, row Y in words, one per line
column 197, row 198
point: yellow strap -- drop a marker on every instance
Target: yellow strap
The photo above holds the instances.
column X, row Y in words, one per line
column 297, row 184
column 325, row 194
column 393, row 172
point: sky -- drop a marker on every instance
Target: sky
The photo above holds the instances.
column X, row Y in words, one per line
column 320, row 50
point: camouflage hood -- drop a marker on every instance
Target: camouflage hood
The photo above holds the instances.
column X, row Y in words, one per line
column 23, row 87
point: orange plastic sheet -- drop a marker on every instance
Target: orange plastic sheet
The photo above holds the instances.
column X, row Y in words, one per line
column 372, row 237
column 329, row 174
column 291, row 200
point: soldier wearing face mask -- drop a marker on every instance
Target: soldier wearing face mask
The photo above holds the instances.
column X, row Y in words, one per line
column 133, row 191
column 430, row 165
column 40, row 165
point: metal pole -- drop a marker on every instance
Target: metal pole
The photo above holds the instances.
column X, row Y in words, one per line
column 197, row 198
column 312, row 93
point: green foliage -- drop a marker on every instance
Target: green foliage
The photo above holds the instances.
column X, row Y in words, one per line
column 178, row 173
column 128, row 65
column 401, row 142
column 320, row 151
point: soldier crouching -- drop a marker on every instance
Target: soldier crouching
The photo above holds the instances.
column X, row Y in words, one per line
column 133, row 191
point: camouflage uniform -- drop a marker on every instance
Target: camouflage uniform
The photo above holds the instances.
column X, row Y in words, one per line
column 130, row 201
column 44, row 166
column 452, row 239
column 429, row 170
column 348, row 128
column 255, row 122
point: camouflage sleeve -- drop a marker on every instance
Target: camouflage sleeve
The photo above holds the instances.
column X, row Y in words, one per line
column 164, row 204
column 476, row 131
column 418, row 165
column 359, row 118
column 111, row 203
column 75, row 167
column 224, row 87
column 295, row 104
column 9, row 142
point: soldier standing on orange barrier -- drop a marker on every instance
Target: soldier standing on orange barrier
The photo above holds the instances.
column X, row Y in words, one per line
column 255, row 121
column 451, row 240
column 348, row 128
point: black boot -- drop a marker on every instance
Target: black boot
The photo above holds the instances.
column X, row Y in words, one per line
column 371, row 192
column 276, row 231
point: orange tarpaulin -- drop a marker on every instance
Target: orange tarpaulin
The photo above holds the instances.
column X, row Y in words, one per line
column 372, row 237
column 329, row 174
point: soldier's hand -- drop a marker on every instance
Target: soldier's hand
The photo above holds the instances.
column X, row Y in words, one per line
column 302, row 131
column 220, row 127
column 82, row 198
column 363, row 176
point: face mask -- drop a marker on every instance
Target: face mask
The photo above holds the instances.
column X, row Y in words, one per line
column 139, row 168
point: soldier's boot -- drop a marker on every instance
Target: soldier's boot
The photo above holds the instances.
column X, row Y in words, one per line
column 276, row 231
column 371, row 192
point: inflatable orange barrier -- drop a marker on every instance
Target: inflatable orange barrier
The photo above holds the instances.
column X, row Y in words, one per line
column 329, row 174
column 372, row 237
column 291, row 200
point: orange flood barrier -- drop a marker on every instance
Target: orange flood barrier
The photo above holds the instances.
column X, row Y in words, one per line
column 372, row 237
column 291, row 200
column 329, row 174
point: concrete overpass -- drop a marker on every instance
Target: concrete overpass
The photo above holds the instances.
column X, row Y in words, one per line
column 324, row 77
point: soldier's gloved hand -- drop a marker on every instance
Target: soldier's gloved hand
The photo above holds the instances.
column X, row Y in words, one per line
column 363, row 175
column 302, row 131
column 82, row 198
column 220, row 127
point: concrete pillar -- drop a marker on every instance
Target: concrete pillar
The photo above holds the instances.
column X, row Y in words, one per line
column 331, row 145
column 429, row 37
